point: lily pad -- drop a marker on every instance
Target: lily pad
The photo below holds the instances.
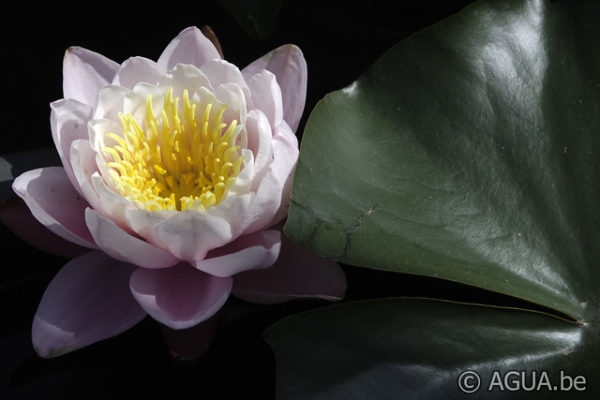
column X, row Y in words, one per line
column 425, row 349
column 468, row 152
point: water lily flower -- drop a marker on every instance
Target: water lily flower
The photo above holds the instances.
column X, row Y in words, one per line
column 176, row 175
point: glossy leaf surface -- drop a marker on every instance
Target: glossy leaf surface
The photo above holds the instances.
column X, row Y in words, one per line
column 418, row 349
column 467, row 152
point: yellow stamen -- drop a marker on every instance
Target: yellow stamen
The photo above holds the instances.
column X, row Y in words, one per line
column 187, row 158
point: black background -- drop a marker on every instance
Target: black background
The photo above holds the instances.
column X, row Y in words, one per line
column 340, row 39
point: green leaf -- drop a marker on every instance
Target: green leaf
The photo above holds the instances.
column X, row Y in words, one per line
column 14, row 164
column 469, row 152
column 257, row 17
column 418, row 348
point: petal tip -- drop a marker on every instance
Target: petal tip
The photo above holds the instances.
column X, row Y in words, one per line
column 51, row 353
column 179, row 297
column 48, row 340
column 190, row 46
column 72, row 50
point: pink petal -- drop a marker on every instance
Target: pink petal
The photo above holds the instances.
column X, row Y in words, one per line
column 285, row 144
column 135, row 70
column 220, row 72
column 87, row 301
column 188, row 235
column 84, row 73
column 259, row 142
column 232, row 95
column 264, row 206
column 54, row 202
column 296, row 274
column 110, row 102
column 189, row 47
column 119, row 244
column 289, row 66
column 68, row 120
column 271, row 202
column 184, row 76
column 232, row 209
column 84, row 166
column 109, row 203
column 256, row 251
column 17, row 217
column 134, row 102
column 266, row 96
column 179, row 297
column 245, row 179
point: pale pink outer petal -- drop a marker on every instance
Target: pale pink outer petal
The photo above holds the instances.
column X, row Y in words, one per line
column 232, row 95
column 87, row 301
column 179, row 297
column 296, row 274
column 185, row 76
column 135, row 70
column 220, row 72
column 110, row 102
column 134, row 102
column 189, row 47
column 271, row 203
column 84, row 73
column 110, row 203
column 289, row 66
column 256, row 251
column 97, row 130
column 232, row 209
column 244, row 181
column 83, row 164
column 259, row 142
column 18, row 218
column 55, row 203
column 122, row 246
column 264, row 206
column 68, row 122
column 286, row 144
column 95, row 190
column 266, row 96
column 188, row 234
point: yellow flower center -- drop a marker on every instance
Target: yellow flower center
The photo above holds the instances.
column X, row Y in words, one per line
column 181, row 161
